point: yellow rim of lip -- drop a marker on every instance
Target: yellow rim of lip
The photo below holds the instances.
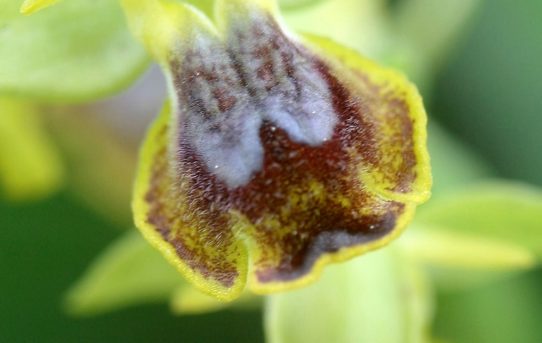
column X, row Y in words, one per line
column 141, row 208
column 325, row 259
column 380, row 75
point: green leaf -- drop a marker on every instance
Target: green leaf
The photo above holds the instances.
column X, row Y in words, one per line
column 380, row 297
column 129, row 272
column 77, row 50
column 30, row 165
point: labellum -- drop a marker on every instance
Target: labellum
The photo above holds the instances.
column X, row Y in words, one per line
column 277, row 154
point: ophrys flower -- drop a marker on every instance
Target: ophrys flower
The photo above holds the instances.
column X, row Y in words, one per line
column 277, row 153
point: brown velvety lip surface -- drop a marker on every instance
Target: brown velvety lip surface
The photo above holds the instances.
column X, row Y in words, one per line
column 300, row 188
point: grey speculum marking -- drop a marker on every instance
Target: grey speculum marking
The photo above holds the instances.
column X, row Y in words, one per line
column 227, row 89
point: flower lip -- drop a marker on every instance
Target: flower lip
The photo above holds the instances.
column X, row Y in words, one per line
column 277, row 156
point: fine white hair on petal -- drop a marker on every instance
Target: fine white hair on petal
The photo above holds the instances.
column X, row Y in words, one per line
column 227, row 89
column 233, row 156
column 284, row 78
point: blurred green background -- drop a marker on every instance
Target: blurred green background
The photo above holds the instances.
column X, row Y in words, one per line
column 488, row 96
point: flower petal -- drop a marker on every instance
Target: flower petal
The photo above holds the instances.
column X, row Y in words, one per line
column 295, row 153
column 30, row 164
column 127, row 273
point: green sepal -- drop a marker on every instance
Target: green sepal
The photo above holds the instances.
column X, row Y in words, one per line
column 381, row 297
column 75, row 51
column 501, row 210
column 30, row 164
column 484, row 232
column 129, row 272
column 457, row 260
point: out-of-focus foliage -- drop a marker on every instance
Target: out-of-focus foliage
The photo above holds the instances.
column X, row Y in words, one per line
column 298, row 4
column 490, row 96
column 100, row 165
column 507, row 311
column 416, row 36
column 45, row 246
column 453, row 163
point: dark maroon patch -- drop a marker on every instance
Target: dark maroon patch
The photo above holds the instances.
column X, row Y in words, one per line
column 323, row 227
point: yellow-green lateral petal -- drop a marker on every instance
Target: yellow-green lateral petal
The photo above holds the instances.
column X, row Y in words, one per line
column 446, row 248
column 129, row 272
column 211, row 257
column 495, row 209
column 32, row 6
column 30, row 166
column 457, row 260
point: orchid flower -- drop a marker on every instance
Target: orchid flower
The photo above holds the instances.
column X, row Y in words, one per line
column 277, row 154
